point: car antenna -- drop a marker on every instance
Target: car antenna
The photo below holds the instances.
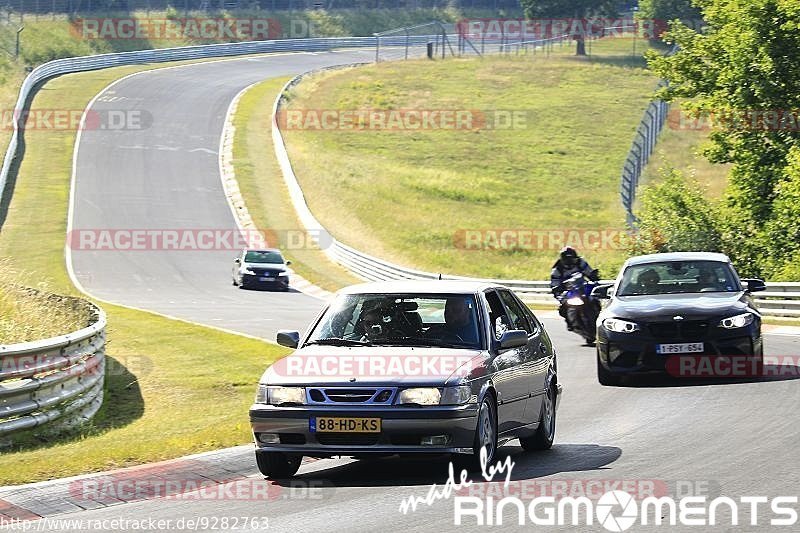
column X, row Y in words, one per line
column 440, row 276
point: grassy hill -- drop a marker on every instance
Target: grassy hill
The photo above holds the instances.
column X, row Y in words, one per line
column 410, row 195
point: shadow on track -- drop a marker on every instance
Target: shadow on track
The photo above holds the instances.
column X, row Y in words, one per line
column 394, row 471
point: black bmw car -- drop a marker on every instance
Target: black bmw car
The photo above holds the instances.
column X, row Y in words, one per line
column 675, row 305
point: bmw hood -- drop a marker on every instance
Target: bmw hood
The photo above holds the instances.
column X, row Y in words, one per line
column 695, row 305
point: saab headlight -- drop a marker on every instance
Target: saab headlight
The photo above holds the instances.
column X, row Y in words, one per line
column 420, row 396
column 456, row 395
column 738, row 321
column 280, row 395
column 620, row 326
column 248, row 271
column 282, row 274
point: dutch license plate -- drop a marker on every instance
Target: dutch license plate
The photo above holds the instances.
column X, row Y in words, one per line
column 265, row 278
column 687, row 347
column 331, row 424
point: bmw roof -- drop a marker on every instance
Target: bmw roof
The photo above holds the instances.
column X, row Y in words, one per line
column 677, row 256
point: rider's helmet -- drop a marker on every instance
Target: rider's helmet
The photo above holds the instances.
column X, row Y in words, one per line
column 569, row 257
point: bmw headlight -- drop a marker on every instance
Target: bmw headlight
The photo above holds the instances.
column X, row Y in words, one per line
column 282, row 274
column 738, row 321
column 280, row 395
column 620, row 326
column 248, row 271
column 420, row 396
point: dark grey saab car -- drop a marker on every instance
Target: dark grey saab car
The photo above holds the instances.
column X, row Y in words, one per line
column 667, row 306
column 409, row 367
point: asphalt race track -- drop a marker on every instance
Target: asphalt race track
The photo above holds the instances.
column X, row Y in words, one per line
column 166, row 177
column 736, row 439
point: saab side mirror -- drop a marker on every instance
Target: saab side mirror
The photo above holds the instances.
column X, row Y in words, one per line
column 288, row 338
column 288, row 263
column 513, row 338
column 237, row 260
column 755, row 285
column 601, row 292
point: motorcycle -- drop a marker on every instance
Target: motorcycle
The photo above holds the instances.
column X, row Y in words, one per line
column 582, row 308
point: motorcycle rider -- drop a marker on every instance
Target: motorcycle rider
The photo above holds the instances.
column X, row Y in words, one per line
column 568, row 263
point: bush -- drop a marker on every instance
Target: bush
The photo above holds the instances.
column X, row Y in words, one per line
column 675, row 216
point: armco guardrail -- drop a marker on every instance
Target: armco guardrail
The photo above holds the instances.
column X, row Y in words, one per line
column 53, row 382
column 80, row 64
column 783, row 299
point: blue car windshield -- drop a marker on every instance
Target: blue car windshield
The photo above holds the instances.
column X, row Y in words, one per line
column 449, row 320
column 678, row 277
column 265, row 256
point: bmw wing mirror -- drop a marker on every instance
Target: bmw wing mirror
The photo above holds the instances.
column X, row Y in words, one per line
column 601, row 292
column 288, row 263
column 288, row 338
column 755, row 285
column 237, row 260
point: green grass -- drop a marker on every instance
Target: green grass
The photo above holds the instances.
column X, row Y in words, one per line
column 172, row 389
column 404, row 195
column 265, row 193
column 28, row 315
column 680, row 148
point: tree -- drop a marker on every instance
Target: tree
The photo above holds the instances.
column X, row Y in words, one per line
column 576, row 9
column 744, row 70
column 675, row 216
column 669, row 10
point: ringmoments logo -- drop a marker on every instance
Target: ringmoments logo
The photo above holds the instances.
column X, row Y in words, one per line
column 616, row 510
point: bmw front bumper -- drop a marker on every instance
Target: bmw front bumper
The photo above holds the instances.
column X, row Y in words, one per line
column 625, row 353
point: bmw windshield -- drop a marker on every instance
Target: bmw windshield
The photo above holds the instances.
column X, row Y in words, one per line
column 678, row 277
column 442, row 320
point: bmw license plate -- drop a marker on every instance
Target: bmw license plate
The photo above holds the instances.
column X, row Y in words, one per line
column 687, row 347
column 265, row 278
column 332, row 424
